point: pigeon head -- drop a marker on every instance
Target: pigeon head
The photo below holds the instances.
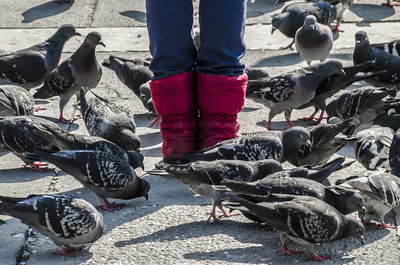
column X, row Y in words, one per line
column 67, row 31
column 330, row 67
column 136, row 159
column 278, row 21
column 361, row 38
column 348, row 200
column 354, row 228
column 128, row 140
column 144, row 90
column 292, row 139
column 331, row 110
column 267, row 167
column 93, row 39
column 310, row 21
column 112, row 63
column 143, row 189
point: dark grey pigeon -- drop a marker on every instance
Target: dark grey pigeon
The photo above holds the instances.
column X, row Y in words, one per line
column 306, row 221
column 372, row 146
column 323, row 145
column 344, row 200
column 394, row 154
column 313, row 40
column 363, row 52
column 390, row 118
column 101, row 172
column 15, row 101
column 201, row 175
column 381, row 193
column 291, row 90
column 64, row 219
column 364, row 104
column 279, row 145
column 29, row 67
column 133, row 73
column 81, row 70
column 110, row 121
column 333, row 84
column 293, row 15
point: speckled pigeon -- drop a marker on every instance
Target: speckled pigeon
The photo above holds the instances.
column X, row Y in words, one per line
column 29, row 67
column 200, row 175
column 325, row 142
column 344, row 200
column 80, row 70
column 291, row 90
column 372, row 146
column 394, row 154
column 381, row 193
column 15, row 101
column 133, row 73
column 313, row 40
column 279, row 145
column 364, row 104
column 110, row 121
column 363, row 51
column 292, row 17
column 333, row 84
column 304, row 220
column 64, row 219
column 101, row 172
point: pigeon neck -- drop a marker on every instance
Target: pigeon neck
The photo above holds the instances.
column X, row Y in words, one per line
column 86, row 54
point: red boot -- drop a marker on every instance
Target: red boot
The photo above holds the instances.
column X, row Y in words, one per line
column 220, row 99
column 174, row 101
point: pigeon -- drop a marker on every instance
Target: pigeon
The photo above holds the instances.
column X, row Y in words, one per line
column 363, row 51
column 364, row 104
column 333, row 84
column 279, row 145
column 64, row 219
column 29, row 67
column 372, row 147
column 313, row 40
column 390, row 118
column 110, row 121
column 394, row 154
column 293, row 15
column 80, row 70
column 32, row 134
column 324, row 144
column 345, row 4
column 15, row 101
column 200, row 175
column 381, row 193
column 291, row 90
column 343, row 199
column 306, row 221
column 104, row 173
column 392, row 47
column 133, row 73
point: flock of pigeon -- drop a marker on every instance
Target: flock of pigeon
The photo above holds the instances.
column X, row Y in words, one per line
column 243, row 173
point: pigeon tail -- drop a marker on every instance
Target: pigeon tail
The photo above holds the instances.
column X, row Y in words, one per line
column 324, row 171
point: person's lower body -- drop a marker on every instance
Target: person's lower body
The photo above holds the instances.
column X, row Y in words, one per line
column 196, row 114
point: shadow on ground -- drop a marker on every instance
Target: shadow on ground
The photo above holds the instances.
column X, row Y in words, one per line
column 135, row 15
column 44, row 10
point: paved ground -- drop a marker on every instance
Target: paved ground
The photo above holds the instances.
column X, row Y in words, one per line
column 170, row 228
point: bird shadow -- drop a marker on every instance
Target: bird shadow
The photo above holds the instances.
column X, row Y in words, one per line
column 41, row 102
column 256, row 8
column 44, row 10
column 142, row 119
column 151, row 152
column 150, row 139
column 341, row 56
column 364, row 11
column 248, row 109
column 20, row 175
column 135, row 15
column 279, row 60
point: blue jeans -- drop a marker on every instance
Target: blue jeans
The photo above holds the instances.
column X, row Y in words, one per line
column 222, row 24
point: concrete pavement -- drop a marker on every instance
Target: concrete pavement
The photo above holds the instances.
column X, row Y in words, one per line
column 170, row 228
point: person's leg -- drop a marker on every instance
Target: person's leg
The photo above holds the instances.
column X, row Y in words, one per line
column 221, row 81
column 172, row 87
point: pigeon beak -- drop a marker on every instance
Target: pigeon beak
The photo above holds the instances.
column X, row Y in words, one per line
column 358, row 41
column 102, row 44
column 273, row 29
column 308, row 143
column 142, row 166
column 312, row 26
column 146, row 196
column 343, row 72
column 77, row 34
column 361, row 238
